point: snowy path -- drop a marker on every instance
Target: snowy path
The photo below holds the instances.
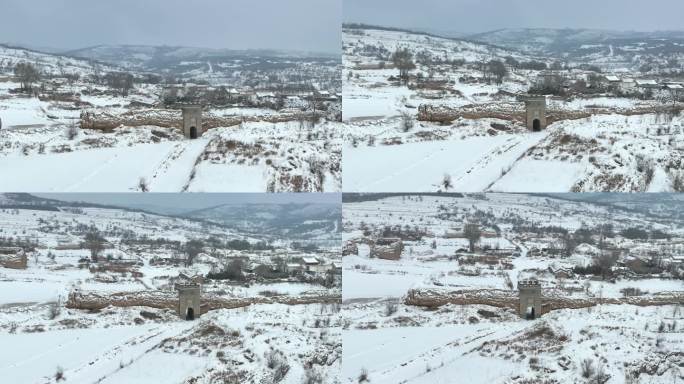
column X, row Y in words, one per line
column 402, row 354
column 85, row 355
column 473, row 163
column 173, row 173
column 166, row 167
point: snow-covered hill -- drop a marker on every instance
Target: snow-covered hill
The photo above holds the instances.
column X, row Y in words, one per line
column 254, row 339
column 389, row 338
column 452, row 126
column 578, row 43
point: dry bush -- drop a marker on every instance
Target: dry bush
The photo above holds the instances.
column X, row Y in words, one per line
column 587, row 368
column 390, row 308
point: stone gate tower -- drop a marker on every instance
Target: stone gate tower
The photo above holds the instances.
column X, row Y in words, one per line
column 529, row 292
column 535, row 113
column 189, row 300
column 192, row 121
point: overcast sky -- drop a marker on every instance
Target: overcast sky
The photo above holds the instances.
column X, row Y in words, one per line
column 472, row 16
column 302, row 25
column 191, row 201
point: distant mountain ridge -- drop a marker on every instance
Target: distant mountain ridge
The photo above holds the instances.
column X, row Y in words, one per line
column 148, row 57
column 563, row 40
column 299, row 221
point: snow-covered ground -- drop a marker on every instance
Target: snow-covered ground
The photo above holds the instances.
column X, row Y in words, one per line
column 386, row 340
column 75, row 133
column 252, row 157
column 594, row 142
column 52, row 338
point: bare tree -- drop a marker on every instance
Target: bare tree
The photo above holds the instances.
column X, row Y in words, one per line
column 120, row 81
column 403, row 60
column 142, row 185
column 27, row 74
column 192, row 249
column 498, row 70
column 95, row 243
column 407, row 122
column 472, row 233
column 605, row 262
column 446, row 182
column 72, row 131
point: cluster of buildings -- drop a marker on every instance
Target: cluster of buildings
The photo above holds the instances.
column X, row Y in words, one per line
column 625, row 84
column 207, row 94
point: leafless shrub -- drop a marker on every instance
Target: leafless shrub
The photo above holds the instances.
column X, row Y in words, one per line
column 363, row 376
column 142, row 185
column 54, row 310
column 59, row 375
column 407, row 121
column 587, row 368
column 447, row 184
column 313, row 376
column 678, row 182
column 71, row 132
column 275, row 360
column 390, row 308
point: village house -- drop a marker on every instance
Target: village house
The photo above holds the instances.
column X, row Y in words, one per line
column 612, row 82
column 294, row 267
column 314, row 266
column 627, row 85
column 646, row 83
column 265, row 97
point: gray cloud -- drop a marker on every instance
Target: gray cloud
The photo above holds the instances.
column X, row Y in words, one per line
column 303, row 25
column 472, row 16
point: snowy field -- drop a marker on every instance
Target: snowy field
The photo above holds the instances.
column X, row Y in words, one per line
column 55, row 339
column 594, row 141
column 261, row 157
column 75, row 133
column 387, row 340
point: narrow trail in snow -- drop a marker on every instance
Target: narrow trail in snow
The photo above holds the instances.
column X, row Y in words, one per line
column 92, row 174
column 446, row 353
column 547, row 132
column 167, row 161
column 175, row 171
column 489, row 157
column 154, row 339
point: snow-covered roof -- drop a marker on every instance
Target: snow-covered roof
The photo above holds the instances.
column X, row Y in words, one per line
column 646, row 82
column 310, row 260
column 612, row 78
